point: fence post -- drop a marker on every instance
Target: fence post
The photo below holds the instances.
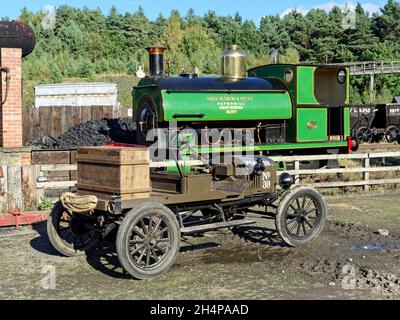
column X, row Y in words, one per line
column 366, row 173
column 39, row 190
column 297, row 168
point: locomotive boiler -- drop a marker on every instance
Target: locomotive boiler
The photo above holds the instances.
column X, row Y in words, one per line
column 288, row 109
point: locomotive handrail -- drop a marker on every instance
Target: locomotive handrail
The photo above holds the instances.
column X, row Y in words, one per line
column 145, row 86
column 169, row 91
column 194, row 115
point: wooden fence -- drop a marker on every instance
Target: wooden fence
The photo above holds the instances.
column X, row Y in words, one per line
column 54, row 121
column 53, row 173
column 365, row 167
column 382, row 162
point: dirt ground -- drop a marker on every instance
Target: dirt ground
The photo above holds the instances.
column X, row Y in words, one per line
column 348, row 261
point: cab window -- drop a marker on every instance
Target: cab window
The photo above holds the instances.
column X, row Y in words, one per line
column 330, row 85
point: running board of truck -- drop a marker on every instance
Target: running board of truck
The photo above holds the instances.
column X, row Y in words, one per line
column 216, row 226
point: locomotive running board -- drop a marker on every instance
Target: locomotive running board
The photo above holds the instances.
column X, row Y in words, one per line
column 216, row 226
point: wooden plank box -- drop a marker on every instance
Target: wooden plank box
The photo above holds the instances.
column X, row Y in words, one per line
column 109, row 172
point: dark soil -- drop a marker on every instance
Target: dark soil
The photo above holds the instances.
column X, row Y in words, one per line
column 90, row 134
column 248, row 263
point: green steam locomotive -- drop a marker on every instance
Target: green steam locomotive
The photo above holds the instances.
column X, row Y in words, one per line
column 288, row 109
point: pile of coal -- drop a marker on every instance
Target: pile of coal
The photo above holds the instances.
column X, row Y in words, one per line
column 90, row 134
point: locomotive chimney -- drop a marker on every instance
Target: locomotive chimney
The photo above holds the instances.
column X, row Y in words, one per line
column 156, row 60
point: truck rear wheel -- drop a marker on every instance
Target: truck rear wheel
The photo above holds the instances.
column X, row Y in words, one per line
column 72, row 234
column 301, row 216
column 148, row 241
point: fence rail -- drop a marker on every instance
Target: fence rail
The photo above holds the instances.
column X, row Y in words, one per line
column 364, row 168
column 22, row 186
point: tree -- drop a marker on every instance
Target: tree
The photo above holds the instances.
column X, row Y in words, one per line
column 56, row 75
column 86, row 42
column 273, row 33
column 172, row 38
column 387, row 26
column 297, row 28
column 323, row 42
column 200, row 49
column 250, row 38
column 361, row 40
column 291, row 56
column 136, row 29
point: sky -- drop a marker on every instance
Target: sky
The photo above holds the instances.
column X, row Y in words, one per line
column 250, row 9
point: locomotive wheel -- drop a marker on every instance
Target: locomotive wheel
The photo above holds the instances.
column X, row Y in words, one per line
column 364, row 135
column 392, row 134
column 301, row 216
column 71, row 235
column 148, row 241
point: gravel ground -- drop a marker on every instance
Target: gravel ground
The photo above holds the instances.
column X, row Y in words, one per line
column 249, row 263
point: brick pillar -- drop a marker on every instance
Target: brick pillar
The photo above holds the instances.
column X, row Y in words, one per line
column 11, row 112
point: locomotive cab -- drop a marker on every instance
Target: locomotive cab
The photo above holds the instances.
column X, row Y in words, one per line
column 321, row 96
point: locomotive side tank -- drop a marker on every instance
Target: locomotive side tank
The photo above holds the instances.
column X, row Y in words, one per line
column 203, row 99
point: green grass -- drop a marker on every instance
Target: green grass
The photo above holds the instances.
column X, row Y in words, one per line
column 45, row 204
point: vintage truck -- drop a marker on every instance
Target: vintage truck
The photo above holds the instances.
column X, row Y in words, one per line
column 152, row 206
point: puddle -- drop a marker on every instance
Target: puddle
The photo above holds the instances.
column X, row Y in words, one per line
column 376, row 246
column 245, row 255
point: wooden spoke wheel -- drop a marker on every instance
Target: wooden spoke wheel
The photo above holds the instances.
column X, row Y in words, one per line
column 148, row 241
column 72, row 234
column 364, row 135
column 301, row 216
column 392, row 134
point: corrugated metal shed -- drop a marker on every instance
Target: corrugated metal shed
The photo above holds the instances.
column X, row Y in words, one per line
column 396, row 100
column 76, row 94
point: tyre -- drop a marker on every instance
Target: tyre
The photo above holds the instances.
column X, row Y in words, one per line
column 148, row 241
column 72, row 235
column 301, row 216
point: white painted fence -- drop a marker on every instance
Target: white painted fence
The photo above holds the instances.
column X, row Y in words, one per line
column 365, row 167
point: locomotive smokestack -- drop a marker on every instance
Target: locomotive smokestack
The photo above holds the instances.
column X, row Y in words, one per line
column 156, row 60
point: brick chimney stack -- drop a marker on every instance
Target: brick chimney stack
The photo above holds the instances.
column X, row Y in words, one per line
column 11, row 112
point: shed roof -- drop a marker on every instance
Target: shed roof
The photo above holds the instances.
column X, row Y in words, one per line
column 396, row 99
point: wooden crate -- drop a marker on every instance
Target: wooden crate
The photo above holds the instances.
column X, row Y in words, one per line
column 114, row 171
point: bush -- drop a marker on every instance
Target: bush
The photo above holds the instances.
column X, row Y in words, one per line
column 56, row 75
column 102, row 66
column 85, row 68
